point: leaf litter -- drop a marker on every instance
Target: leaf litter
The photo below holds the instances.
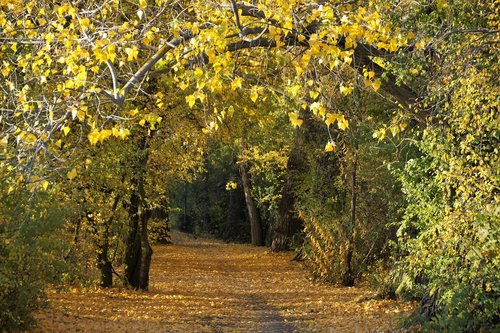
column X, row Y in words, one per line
column 206, row 285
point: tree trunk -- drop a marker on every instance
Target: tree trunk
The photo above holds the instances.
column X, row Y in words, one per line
column 348, row 275
column 253, row 211
column 105, row 267
column 146, row 254
column 138, row 252
column 235, row 219
column 288, row 223
column 103, row 263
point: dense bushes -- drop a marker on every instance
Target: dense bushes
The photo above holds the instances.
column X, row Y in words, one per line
column 451, row 227
column 32, row 250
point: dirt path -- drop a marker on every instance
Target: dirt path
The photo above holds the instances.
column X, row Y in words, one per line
column 209, row 286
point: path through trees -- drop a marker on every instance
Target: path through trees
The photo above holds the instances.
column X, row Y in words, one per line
column 201, row 285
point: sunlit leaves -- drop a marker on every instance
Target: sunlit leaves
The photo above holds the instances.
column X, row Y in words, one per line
column 294, row 119
column 96, row 136
column 132, row 53
column 254, row 94
column 76, row 59
column 72, row 174
column 330, row 146
column 191, row 99
column 346, row 90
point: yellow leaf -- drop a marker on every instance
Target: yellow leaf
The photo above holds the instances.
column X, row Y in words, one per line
column 314, row 94
column 211, row 55
column 132, row 53
column 294, row 90
column 331, row 118
column 82, row 74
column 330, row 146
column 85, row 23
column 80, row 114
column 45, row 184
column 4, row 141
column 72, row 174
column 66, row 130
column 191, row 100
column 115, row 131
column 124, row 133
column 112, row 52
column 93, row 137
column 294, row 119
column 236, row 83
column 254, row 95
column 183, row 85
column 346, row 90
column 342, row 123
column 394, row 130
column 143, row 4
column 376, row 84
column 442, row 4
column 105, row 134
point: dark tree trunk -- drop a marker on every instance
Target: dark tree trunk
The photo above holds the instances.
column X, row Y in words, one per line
column 138, row 252
column 103, row 263
column 205, row 214
column 105, row 267
column 146, row 254
column 288, row 223
column 253, row 211
column 348, row 275
column 235, row 218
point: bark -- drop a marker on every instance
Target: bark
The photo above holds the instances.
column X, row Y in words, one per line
column 348, row 275
column 235, row 218
column 253, row 211
column 288, row 223
column 205, row 213
column 138, row 252
column 105, row 267
column 103, row 262
column 146, row 253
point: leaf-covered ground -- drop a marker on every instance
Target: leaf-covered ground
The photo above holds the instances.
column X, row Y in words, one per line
column 201, row 285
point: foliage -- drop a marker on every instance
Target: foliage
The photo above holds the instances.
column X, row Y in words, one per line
column 33, row 251
column 325, row 194
column 449, row 233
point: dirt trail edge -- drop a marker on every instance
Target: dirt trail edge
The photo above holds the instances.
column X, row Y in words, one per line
column 202, row 285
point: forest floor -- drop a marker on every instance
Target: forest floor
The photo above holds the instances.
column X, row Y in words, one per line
column 204, row 285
